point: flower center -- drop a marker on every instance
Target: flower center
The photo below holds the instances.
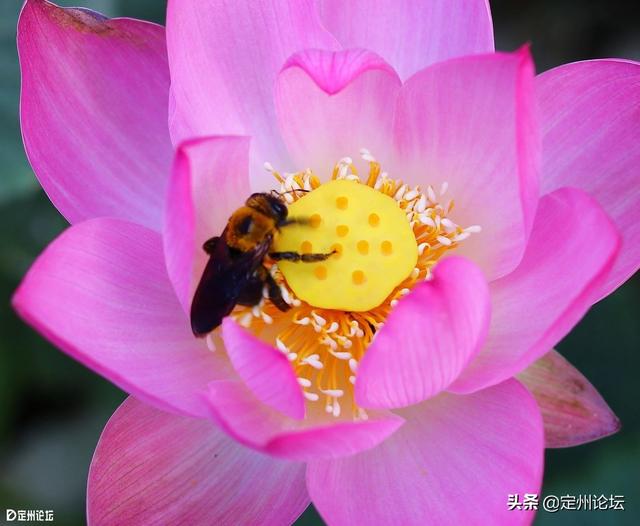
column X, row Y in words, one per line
column 387, row 237
column 375, row 248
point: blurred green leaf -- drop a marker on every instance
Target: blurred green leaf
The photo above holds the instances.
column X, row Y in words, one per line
column 16, row 177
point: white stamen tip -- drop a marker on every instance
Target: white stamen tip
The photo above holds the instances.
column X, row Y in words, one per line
column 313, row 397
column 366, row 155
column 421, row 205
column 444, row 241
column 318, row 319
column 462, row 237
column 281, row 346
column 304, row 382
column 330, row 342
column 448, row 225
column 426, row 220
column 333, row 392
column 268, row 167
column 313, row 362
column 411, row 195
column 245, row 321
column 353, row 365
column 333, row 327
column 422, row 247
column 285, row 294
column 400, row 193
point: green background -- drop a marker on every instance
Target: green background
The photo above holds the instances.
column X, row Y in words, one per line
column 52, row 409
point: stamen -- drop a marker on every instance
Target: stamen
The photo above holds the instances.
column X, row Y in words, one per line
column 281, row 346
column 353, row 365
column 313, row 397
column 318, row 319
column 431, row 195
column 325, row 345
column 210, row 343
column 444, row 240
column 333, row 392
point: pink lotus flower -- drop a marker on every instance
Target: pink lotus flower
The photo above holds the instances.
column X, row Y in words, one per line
column 398, row 428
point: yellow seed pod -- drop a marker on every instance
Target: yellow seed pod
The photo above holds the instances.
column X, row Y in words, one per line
column 374, row 243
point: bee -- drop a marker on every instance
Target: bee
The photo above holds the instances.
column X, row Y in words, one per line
column 235, row 273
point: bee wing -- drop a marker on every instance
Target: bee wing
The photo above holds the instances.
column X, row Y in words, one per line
column 224, row 278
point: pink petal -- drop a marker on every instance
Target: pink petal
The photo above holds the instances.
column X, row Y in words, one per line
column 224, row 59
column 539, row 303
column 572, row 409
column 210, row 180
column 151, row 467
column 469, row 122
column 264, row 369
column 411, row 34
column 427, row 339
column 243, row 417
column 100, row 292
column 93, row 111
column 591, row 140
column 332, row 104
column 482, row 447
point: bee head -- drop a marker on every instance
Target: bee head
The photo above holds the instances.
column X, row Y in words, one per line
column 269, row 204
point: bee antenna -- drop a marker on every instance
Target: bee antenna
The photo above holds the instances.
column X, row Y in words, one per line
column 290, row 191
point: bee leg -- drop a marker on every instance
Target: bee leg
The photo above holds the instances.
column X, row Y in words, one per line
column 275, row 294
column 286, row 256
column 312, row 258
column 295, row 257
column 294, row 221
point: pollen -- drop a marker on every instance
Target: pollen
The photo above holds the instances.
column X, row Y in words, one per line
column 384, row 237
